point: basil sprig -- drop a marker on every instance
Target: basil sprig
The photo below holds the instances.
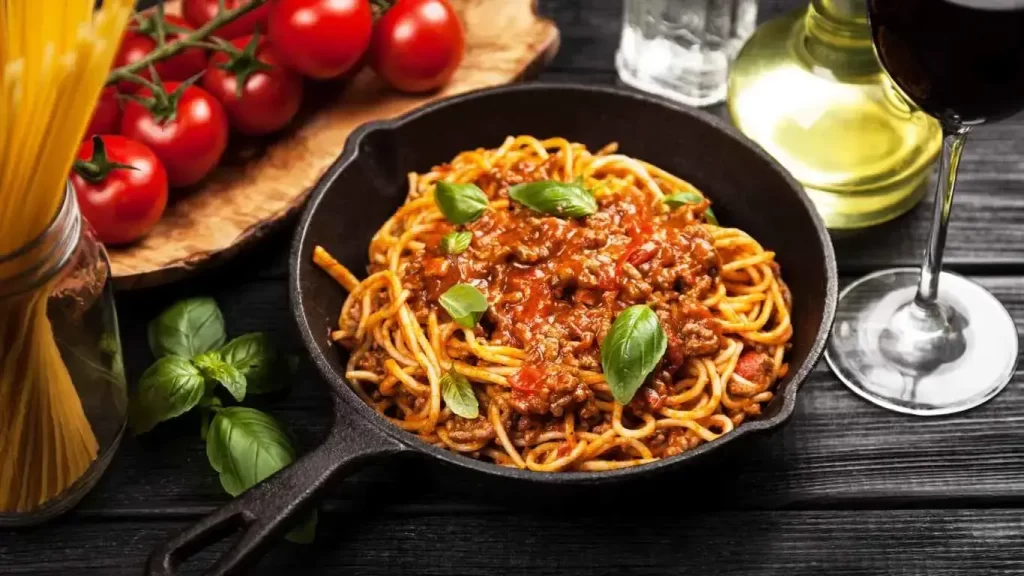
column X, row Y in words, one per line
column 458, row 395
column 690, row 197
column 456, row 242
column 460, row 203
column 213, row 367
column 562, row 199
column 632, row 348
column 255, row 356
column 464, row 303
column 243, row 444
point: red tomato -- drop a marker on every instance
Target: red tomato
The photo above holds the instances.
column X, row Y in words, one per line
column 141, row 40
column 757, row 367
column 417, row 45
column 199, row 12
column 270, row 97
column 121, row 188
column 188, row 132
column 321, row 38
column 106, row 117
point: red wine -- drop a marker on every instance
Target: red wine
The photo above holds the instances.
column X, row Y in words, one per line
column 961, row 61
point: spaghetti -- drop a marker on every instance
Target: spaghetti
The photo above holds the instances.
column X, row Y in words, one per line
column 54, row 58
column 553, row 287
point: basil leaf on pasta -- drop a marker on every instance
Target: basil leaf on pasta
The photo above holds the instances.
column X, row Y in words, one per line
column 562, row 199
column 690, row 197
column 709, row 215
column 464, row 303
column 458, row 395
column 456, row 242
column 682, row 198
column 460, row 203
column 632, row 348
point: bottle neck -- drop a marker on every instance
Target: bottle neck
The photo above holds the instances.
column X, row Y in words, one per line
column 42, row 258
column 838, row 38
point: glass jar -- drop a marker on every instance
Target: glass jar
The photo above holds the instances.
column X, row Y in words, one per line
column 63, row 396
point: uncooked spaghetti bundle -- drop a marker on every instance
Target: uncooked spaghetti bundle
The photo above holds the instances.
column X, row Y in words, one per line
column 54, row 59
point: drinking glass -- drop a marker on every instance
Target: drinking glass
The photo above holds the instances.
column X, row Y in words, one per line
column 681, row 49
column 925, row 341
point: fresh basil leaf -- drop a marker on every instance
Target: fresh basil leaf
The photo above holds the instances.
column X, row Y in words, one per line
column 256, row 357
column 245, row 446
column 690, row 197
column 458, row 395
column 682, row 198
column 464, row 303
column 187, row 329
column 709, row 215
column 632, row 348
column 169, row 388
column 213, row 367
column 460, row 203
column 562, row 199
column 456, row 242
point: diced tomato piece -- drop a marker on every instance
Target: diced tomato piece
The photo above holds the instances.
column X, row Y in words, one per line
column 527, row 379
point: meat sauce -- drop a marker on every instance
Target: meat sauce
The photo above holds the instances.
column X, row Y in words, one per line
column 555, row 285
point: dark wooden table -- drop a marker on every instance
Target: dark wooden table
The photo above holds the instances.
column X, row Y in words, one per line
column 845, row 488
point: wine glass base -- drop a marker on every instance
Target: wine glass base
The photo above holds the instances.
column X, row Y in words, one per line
column 977, row 363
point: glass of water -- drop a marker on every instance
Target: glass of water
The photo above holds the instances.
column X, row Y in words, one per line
column 681, row 49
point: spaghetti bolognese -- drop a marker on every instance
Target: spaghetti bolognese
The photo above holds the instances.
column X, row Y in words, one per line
column 544, row 307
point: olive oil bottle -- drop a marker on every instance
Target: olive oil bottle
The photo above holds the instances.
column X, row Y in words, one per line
column 808, row 88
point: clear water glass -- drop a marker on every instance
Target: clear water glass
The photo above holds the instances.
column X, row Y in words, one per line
column 681, row 49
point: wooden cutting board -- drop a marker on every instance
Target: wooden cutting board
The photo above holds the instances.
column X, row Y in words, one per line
column 261, row 182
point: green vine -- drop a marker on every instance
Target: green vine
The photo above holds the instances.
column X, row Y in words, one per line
column 197, row 38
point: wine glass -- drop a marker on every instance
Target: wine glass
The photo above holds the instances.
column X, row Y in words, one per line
column 926, row 341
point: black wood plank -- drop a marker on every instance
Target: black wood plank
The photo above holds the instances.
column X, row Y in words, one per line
column 669, row 539
column 838, row 451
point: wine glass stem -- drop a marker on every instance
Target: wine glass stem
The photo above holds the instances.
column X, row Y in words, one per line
column 953, row 138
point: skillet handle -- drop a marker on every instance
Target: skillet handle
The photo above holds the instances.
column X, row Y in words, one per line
column 264, row 511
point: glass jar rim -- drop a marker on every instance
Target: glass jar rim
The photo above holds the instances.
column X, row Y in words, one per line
column 46, row 254
column 39, row 238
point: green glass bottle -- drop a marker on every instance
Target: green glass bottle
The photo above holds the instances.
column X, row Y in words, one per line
column 808, row 87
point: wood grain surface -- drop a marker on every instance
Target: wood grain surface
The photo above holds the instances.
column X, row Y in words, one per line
column 845, row 489
column 372, row 542
column 262, row 182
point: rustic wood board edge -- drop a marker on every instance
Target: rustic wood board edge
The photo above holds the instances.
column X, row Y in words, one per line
column 128, row 275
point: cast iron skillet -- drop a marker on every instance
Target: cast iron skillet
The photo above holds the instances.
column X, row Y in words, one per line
column 368, row 183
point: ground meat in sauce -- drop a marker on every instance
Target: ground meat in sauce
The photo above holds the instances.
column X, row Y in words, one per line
column 547, row 389
column 555, row 286
column 465, row 431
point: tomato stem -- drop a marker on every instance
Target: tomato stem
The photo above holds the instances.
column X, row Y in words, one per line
column 165, row 49
column 379, row 7
column 97, row 168
column 244, row 63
